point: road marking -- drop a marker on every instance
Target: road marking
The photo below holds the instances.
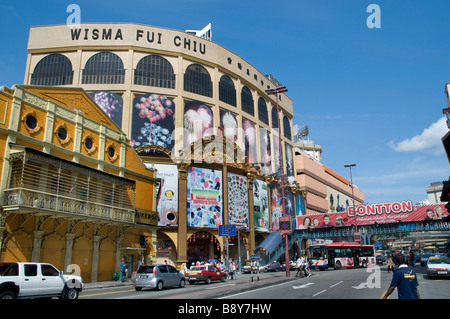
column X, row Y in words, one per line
column 303, row 286
column 319, row 292
column 361, row 285
column 338, row 283
column 253, row 290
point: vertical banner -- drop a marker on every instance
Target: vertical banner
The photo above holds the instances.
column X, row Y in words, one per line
column 237, row 200
column 204, row 197
column 167, row 201
column 275, row 203
column 198, row 121
column 260, row 205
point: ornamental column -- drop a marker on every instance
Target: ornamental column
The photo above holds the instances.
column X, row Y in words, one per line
column 251, row 217
column 182, row 214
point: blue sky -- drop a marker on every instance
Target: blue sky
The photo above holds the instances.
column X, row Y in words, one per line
column 373, row 97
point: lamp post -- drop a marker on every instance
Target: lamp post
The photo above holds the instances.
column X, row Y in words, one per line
column 353, row 196
column 276, row 91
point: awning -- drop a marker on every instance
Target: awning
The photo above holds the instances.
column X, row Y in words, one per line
column 271, row 242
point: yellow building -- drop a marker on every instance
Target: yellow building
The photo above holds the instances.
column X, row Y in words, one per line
column 73, row 192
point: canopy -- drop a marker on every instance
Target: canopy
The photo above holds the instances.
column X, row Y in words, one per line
column 271, row 242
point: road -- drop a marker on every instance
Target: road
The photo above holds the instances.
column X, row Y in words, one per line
column 367, row 283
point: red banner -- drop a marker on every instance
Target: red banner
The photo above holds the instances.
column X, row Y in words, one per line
column 374, row 213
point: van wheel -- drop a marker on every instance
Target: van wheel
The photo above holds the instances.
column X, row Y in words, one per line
column 7, row 295
column 208, row 280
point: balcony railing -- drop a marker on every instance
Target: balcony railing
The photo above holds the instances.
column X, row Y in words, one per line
column 28, row 199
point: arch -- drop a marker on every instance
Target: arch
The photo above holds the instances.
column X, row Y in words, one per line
column 82, row 256
column 202, row 246
column 103, row 68
column 154, row 70
column 227, row 91
column 17, row 247
column 247, row 101
column 107, row 260
column 52, row 250
column 54, row 69
column 262, row 111
column 197, row 80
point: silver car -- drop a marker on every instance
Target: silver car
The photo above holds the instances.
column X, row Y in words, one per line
column 157, row 277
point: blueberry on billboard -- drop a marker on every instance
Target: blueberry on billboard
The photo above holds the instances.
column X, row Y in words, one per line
column 153, row 121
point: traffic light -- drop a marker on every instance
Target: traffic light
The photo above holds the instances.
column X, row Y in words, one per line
column 143, row 240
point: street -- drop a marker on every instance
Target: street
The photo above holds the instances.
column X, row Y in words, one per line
column 368, row 283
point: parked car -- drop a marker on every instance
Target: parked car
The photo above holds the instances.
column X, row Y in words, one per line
column 248, row 268
column 275, row 266
column 158, row 276
column 424, row 258
column 37, row 280
column 206, row 273
column 438, row 266
column 381, row 259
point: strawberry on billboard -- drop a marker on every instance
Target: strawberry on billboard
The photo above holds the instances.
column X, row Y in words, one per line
column 369, row 214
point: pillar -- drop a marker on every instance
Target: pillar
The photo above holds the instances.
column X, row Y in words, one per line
column 182, row 214
column 95, row 253
column 251, row 217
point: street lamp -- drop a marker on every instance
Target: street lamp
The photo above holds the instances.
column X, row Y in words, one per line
column 353, row 196
column 276, row 91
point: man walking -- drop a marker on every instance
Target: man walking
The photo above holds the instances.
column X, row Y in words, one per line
column 404, row 279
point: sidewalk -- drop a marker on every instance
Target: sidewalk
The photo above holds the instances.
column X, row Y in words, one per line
column 264, row 279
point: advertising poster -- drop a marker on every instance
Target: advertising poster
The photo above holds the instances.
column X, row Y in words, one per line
column 111, row 104
column 204, row 194
column 229, row 124
column 238, row 212
column 299, row 205
column 198, row 121
column 369, row 214
column 264, row 149
column 275, row 202
column 289, row 161
column 260, row 205
column 153, row 121
column 167, row 201
column 249, row 141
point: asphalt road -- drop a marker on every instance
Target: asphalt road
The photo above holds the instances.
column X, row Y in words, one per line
column 368, row 283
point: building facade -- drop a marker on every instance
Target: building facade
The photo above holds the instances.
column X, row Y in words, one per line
column 196, row 113
column 73, row 192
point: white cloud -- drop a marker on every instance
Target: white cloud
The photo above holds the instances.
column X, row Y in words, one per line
column 430, row 139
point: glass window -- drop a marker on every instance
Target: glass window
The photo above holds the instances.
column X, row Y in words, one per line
column 30, row 270
column 62, row 133
column 227, row 92
column 172, row 269
column 9, row 269
column 145, row 270
column 54, row 69
column 49, row 270
column 197, row 80
column 88, row 143
column 287, row 127
column 262, row 111
column 104, row 68
column 162, row 269
column 111, row 152
column 247, row 101
column 31, row 121
column 274, row 118
column 154, row 70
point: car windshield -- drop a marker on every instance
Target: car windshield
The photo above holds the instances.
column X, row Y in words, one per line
column 199, row 268
column 439, row 261
column 145, row 269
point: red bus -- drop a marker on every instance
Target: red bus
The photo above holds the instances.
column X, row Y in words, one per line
column 350, row 255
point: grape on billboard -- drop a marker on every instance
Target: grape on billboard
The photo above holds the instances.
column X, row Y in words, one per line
column 370, row 214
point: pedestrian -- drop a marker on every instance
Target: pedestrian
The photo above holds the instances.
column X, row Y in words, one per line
column 123, row 270
column 299, row 266
column 412, row 258
column 234, row 270
column 307, row 269
column 231, row 271
column 404, row 279
column 390, row 264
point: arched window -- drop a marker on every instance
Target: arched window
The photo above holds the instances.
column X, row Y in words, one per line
column 287, row 127
column 247, row 101
column 262, row 111
column 197, row 80
column 104, row 68
column 154, row 70
column 54, row 69
column 227, row 92
column 274, row 118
